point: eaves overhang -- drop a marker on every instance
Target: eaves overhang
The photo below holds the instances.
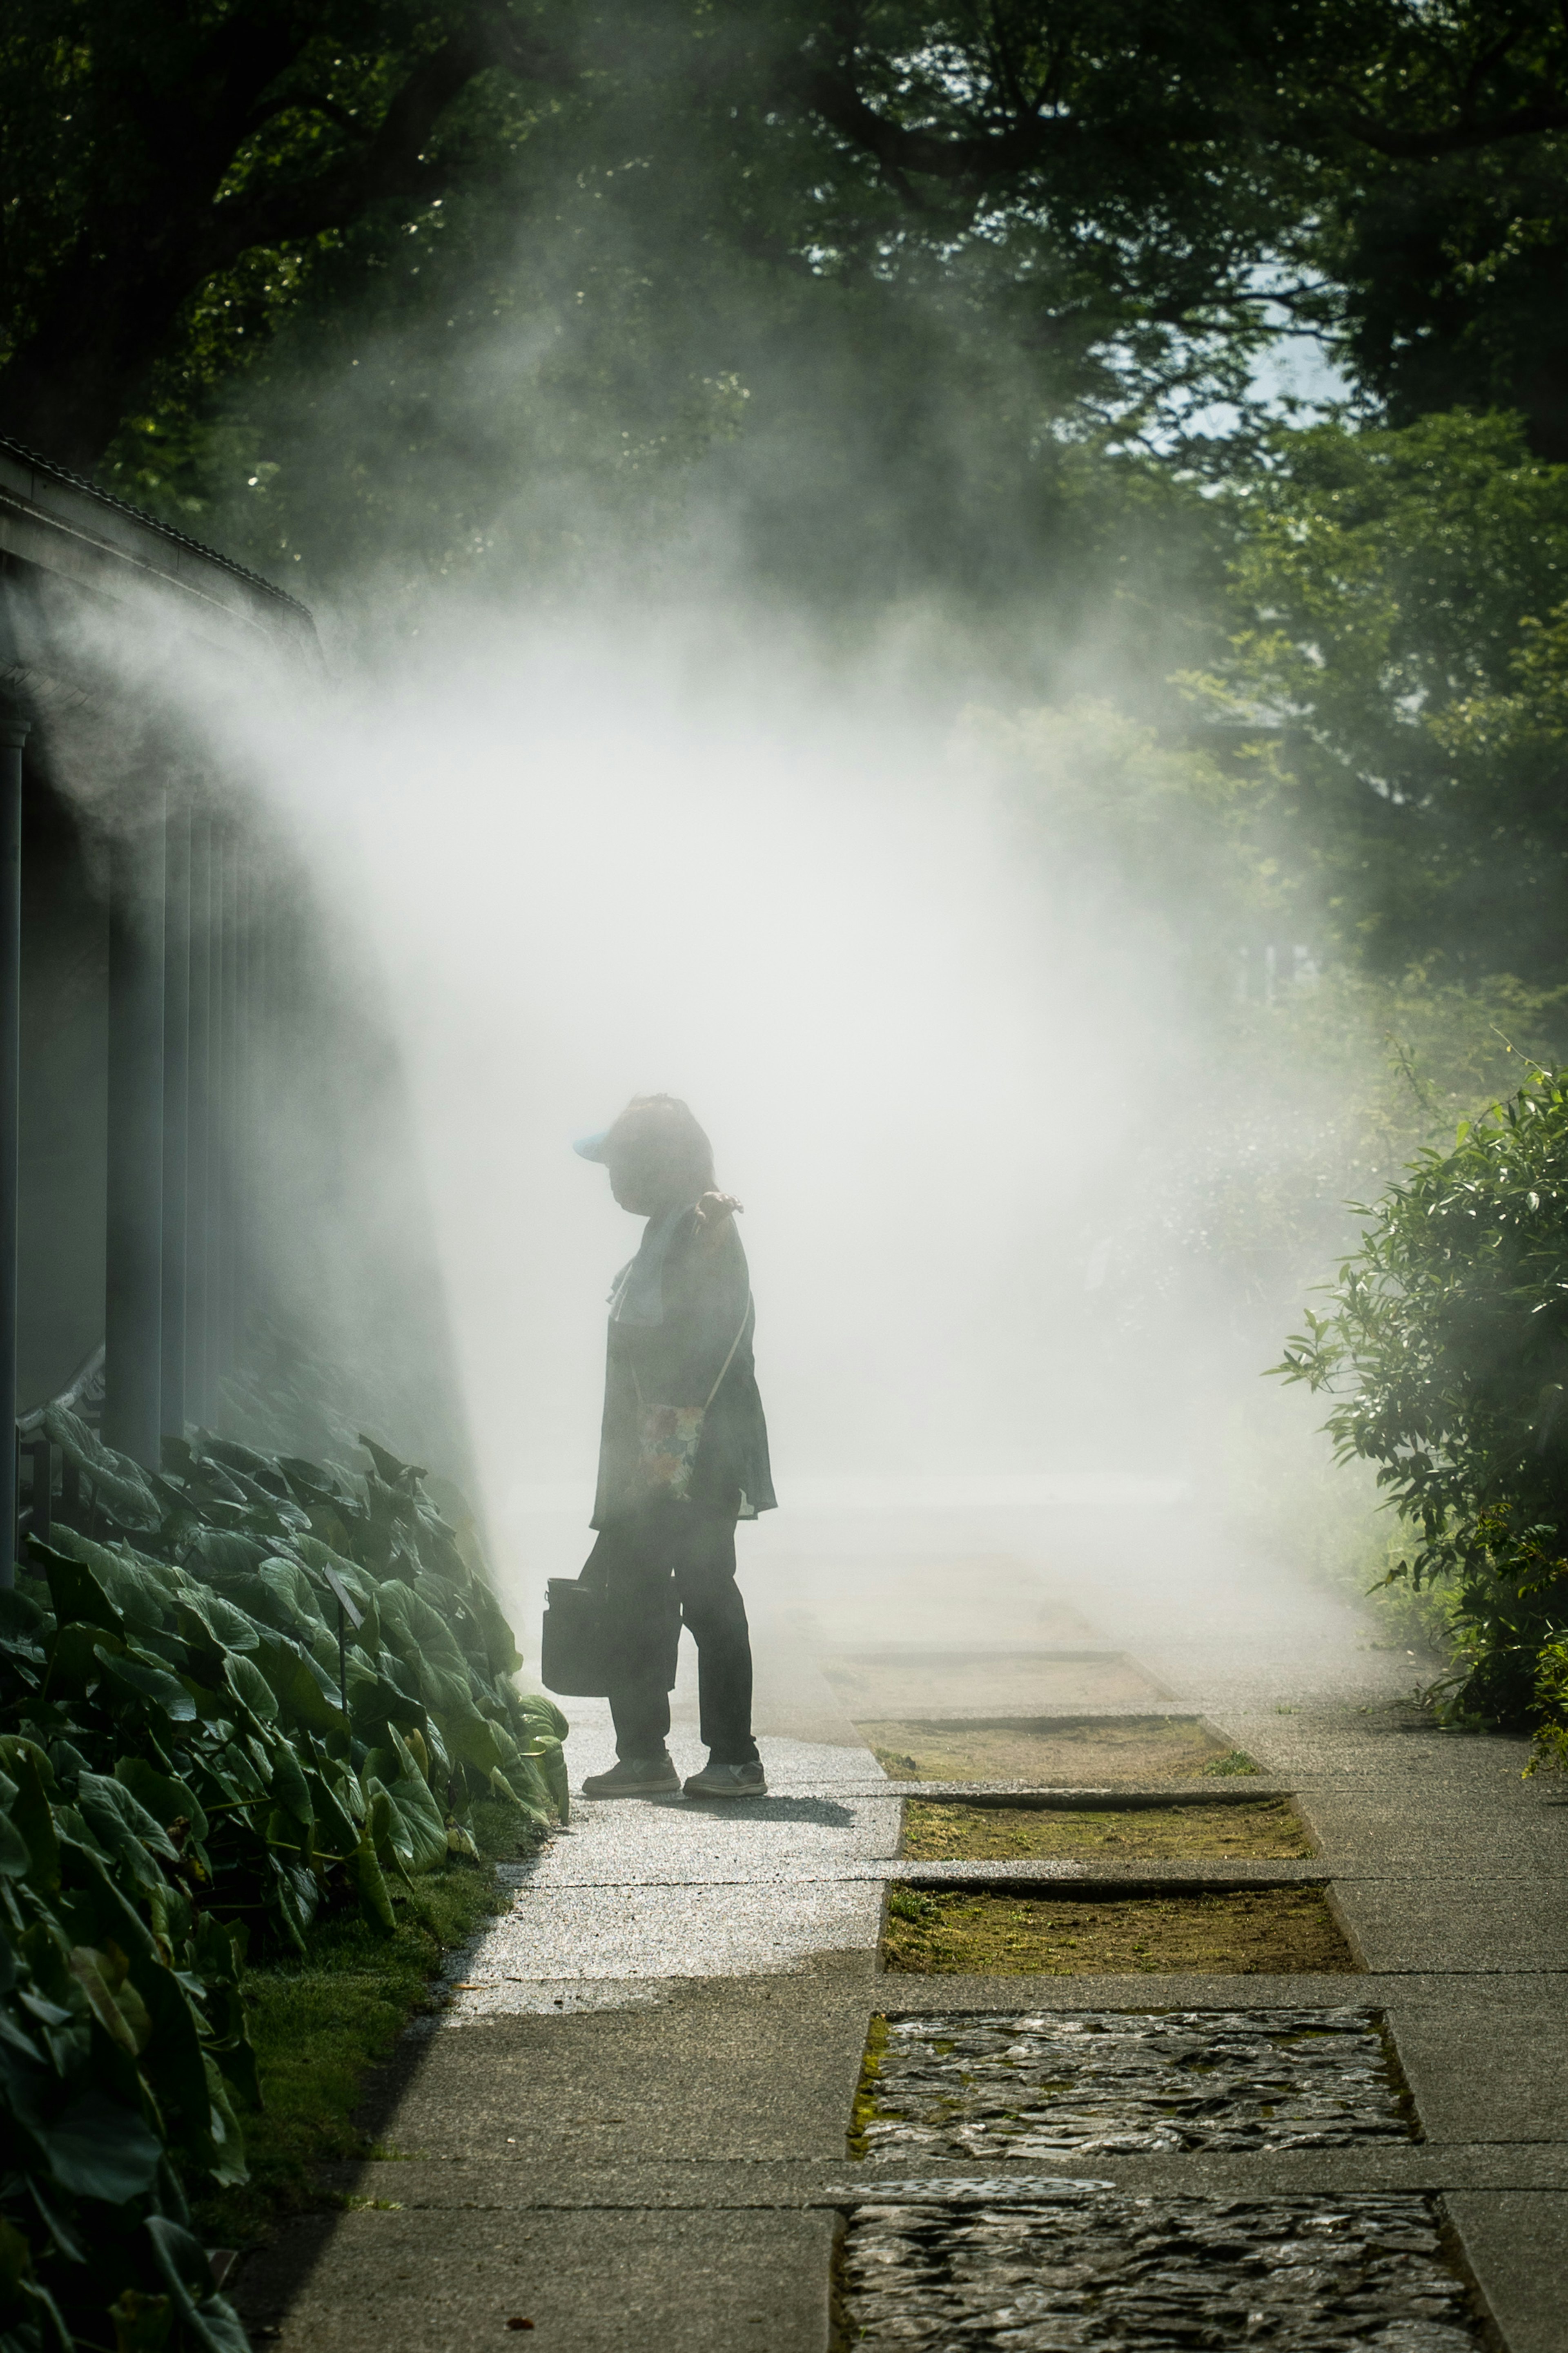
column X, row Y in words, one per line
column 66, row 525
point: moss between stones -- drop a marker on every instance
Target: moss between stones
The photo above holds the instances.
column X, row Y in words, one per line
column 1266, row 1828
column 1280, row 1931
column 865, row 2107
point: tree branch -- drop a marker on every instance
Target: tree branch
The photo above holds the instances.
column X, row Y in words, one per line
column 392, row 163
column 1460, row 137
column 974, row 160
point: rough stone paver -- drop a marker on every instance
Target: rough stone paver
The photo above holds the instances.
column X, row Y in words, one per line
column 1130, row 2275
column 1121, row 2082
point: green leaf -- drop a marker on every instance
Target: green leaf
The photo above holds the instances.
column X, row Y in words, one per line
column 98, row 2148
column 143, row 1681
column 249, row 1684
column 208, row 2319
column 118, row 1482
column 366, row 1873
column 115, row 2003
column 424, row 1824
column 15, row 1854
column 77, row 1596
column 163, row 1796
column 289, row 1786
column 31, row 1811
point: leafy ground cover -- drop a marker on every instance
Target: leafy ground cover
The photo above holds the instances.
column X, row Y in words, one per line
column 1283, row 1930
column 1081, row 1751
column 250, row 1707
column 1268, row 1828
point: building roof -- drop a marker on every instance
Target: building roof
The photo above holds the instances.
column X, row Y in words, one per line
column 66, row 524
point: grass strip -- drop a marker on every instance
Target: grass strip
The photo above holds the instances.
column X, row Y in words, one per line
column 320, row 2023
column 1267, row 1829
column 1272, row 1931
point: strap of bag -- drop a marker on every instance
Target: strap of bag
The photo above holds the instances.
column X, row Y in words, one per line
column 734, row 1343
column 723, row 1369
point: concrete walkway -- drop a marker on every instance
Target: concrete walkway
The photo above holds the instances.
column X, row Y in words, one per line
column 628, row 2126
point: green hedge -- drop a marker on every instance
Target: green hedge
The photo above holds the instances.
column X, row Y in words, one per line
column 184, row 1785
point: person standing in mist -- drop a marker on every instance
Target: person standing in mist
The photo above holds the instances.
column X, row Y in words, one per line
column 683, row 1454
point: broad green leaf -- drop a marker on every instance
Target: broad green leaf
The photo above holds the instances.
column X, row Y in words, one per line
column 208, row 2321
column 113, row 1999
column 166, row 1799
column 249, row 1684
column 143, row 1679
column 100, row 2149
column 422, row 1819
column 97, row 1793
column 30, row 1812
column 367, row 1876
column 78, row 1597
column 16, row 1855
column 118, row 1480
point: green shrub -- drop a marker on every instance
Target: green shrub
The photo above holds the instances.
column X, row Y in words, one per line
column 1445, row 1354
column 202, row 1754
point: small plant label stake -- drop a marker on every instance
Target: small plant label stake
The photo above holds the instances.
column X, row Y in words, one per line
column 355, row 1618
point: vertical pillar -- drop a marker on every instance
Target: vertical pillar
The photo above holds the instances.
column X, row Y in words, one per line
column 198, row 1120
column 220, row 1123
column 134, row 1258
column 13, row 736
column 176, row 1093
column 241, row 1137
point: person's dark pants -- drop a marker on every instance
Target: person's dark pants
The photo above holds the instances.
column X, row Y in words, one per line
column 667, row 1564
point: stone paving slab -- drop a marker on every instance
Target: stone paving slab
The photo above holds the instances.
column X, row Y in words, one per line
column 1455, row 1924
column 683, row 1931
column 1516, row 2243
column 703, row 2280
column 627, row 1840
column 722, row 2069
column 1161, row 1873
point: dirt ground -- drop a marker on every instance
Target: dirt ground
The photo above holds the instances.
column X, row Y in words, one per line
column 1273, row 1930
column 1267, row 1828
column 1082, row 1752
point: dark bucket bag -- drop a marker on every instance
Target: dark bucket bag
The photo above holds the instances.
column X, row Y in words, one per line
column 578, row 1645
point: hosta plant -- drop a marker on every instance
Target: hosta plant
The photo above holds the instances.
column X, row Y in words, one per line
column 200, row 1750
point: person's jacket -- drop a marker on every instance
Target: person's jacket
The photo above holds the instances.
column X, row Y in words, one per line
column 676, row 1313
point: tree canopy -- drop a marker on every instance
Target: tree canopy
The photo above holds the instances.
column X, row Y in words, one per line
column 906, row 302
column 1123, row 175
